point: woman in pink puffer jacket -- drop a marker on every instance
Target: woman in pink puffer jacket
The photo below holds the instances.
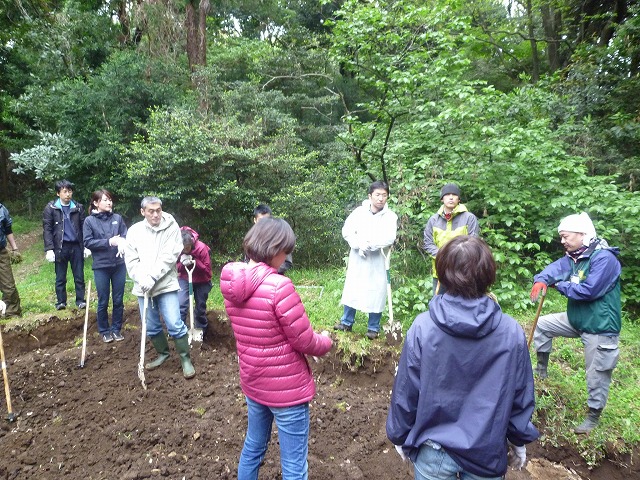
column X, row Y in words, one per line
column 273, row 335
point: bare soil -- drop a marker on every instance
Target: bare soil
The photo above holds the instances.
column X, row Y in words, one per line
column 97, row 422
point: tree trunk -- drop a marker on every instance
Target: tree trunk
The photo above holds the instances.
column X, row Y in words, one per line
column 192, row 41
column 535, row 61
column 204, row 8
column 552, row 22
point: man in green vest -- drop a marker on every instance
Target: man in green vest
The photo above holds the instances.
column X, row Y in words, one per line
column 589, row 276
column 451, row 220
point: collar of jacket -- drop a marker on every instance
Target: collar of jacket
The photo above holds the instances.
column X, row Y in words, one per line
column 460, row 208
column 58, row 204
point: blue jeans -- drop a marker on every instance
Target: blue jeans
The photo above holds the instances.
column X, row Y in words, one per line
column 108, row 279
column 435, row 464
column 200, row 295
column 349, row 318
column 71, row 253
column 167, row 305
column 293, row 435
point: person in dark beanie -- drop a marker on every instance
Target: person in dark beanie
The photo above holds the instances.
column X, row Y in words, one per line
column 451, row 220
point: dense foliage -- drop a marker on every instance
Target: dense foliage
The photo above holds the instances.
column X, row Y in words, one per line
column 529, row 106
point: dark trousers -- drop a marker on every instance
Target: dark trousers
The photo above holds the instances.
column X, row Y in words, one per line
column 108, row 280
column 8, row 285
column 200, row 296
column 71, row 253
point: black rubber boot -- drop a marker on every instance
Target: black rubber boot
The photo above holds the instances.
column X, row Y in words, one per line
column 161, row 344
column 541, row 368
column 591, row 422
column 182, row 346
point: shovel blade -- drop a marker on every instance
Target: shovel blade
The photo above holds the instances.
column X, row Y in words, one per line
column 196, row 334
column 141, row 375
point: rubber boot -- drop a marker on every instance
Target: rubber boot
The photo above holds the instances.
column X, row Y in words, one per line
column 591, row 422
column 543, row 362
column 182, row 346
column 161, row 345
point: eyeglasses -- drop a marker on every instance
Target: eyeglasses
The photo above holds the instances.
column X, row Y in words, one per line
column 379, row 195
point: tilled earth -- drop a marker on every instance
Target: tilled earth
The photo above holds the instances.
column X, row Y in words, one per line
column 97, row 422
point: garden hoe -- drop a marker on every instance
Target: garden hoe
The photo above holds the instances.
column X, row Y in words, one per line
column 86, row 324
column 143, row 338
column 195, row 334
column 535, row 321
column 393, row 328
column 10, row 416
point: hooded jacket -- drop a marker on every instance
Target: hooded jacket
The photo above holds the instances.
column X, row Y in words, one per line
column 273, row 334
column 5, row 226
column 97, row 229
column 154, row 251
column 465, row 382
column 200, row 253
column 439, row 230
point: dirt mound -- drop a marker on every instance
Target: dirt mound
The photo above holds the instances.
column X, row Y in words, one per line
column 97, row 422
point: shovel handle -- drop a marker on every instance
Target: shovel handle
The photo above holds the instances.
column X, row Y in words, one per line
column 5, row 378
column 543, row 293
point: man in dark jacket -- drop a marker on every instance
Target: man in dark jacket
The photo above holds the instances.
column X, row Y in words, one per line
column 589, row 276
column 7, row 283
column 62, row 231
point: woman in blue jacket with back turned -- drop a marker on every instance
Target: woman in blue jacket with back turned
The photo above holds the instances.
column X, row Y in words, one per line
column 104, row 234
column 464, row 390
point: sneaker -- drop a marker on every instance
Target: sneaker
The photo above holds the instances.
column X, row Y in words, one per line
column 342, row 327
column 117, row 336
column 82, row 304
column 371, row 334
column 107, row 338
column 61, row 306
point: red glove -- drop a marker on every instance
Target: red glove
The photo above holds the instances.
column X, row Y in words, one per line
column 535, row 291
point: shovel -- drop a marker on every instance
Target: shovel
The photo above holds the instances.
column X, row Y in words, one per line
column 86, row 323
column 10, row 416
column 195, row 334
column 143, row 338
column 394, row 328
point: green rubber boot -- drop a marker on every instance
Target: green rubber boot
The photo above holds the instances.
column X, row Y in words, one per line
column 182, row 346
column 161, row 345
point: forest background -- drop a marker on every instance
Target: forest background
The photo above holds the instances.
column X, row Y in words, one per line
column 532, row 107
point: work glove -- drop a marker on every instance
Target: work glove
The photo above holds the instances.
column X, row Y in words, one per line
column 50, row 256
column 87, row 253
column 362, row 253
column 15, row 257
column 186, row 260
column 538, row 287
column 147, row 283
column 121, row 245
column 517, row 456
column 401, row 453
column 3, row 307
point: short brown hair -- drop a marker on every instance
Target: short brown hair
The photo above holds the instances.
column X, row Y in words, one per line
column 465, row 267
column 97, row 196
column 267, row 238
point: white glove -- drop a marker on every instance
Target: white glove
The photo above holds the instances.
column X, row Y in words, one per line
column 186, row 260
column 50, row 256
column 121, row 245
column 3, row 307
column 362, row 253
column 325, row 333
column 87, row 253
column 401, row 453
column 517, row 456
column 147, row 283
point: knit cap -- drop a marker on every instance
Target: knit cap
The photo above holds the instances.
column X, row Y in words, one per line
column 450, row 188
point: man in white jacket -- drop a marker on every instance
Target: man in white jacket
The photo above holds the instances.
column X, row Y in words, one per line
column 153, row 247
column 370, row 228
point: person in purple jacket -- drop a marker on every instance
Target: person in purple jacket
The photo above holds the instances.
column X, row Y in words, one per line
column 464, row 394
column 273, row 336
